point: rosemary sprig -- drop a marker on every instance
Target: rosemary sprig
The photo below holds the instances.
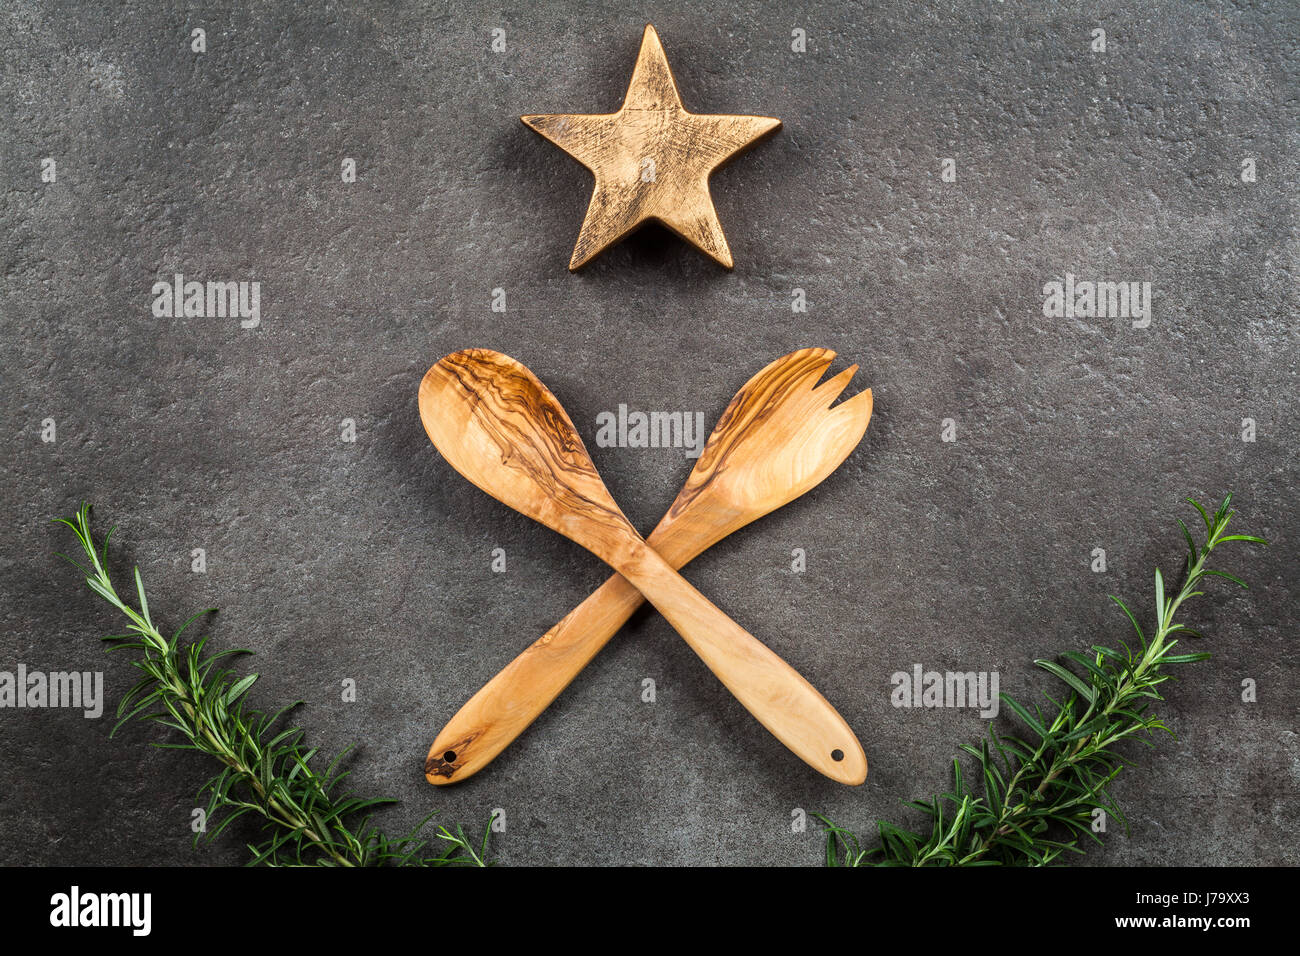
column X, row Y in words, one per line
column 266, row 771
column 1037, row 796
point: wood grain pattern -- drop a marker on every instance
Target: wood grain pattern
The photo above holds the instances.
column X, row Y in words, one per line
column 652, row 159
column 505, row 432
column 779, row 427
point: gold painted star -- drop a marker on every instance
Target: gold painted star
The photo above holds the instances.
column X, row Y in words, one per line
column 652, row 159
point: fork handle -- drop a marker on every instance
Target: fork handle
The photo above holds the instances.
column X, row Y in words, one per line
column 506, row 705
column 774, row 692
column 769, row 688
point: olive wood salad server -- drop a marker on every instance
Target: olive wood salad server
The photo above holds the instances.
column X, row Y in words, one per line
column 777, row 439
column 505, row 432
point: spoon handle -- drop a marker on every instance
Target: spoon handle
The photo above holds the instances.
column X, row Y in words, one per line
column 774, row 692
column 505, row 706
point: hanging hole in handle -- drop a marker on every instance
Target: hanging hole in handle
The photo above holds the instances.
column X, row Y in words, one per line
column 837, row 755
column 450, row 756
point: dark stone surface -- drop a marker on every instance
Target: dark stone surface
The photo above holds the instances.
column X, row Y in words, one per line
column 370, row 560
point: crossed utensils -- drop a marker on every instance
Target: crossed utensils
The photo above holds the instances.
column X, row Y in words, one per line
column 501, row 428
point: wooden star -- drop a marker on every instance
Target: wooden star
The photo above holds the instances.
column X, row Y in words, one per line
column 652, row 159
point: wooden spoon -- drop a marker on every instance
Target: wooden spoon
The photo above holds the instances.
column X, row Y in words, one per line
column 503, row 430
column 777, row 439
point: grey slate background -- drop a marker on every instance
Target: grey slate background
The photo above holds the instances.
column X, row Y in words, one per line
column 371, row 560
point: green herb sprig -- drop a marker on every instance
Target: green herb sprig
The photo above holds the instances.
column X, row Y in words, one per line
column 1035, row 797
column 267, row 772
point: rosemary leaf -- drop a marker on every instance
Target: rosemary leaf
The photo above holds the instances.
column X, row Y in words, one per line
column 265, row 772
column 1034, row 800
